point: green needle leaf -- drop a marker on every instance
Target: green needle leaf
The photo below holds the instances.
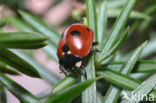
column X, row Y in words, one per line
column 22, row 94
column 143, row 89
column 127, row 68
column 21, row 40
column 118, row 27
column 5, row 69
column 21, row 26
column 44, row 73
column 89, row 95
column 41, row 27
column 99, row 98
column 153, row 92
column 112, row 95
column 115, row 4
column 133, row 59
column 91, row 17
column 120, row 80
column 134, row 14
column 102, row 24
column 17, row 63
column 64, row 83
column 21, row 36
column 150, row 48
column 145, row 66
column 103, row 56
column 68, row 94
column 2, row 23
column 3, row 98
column 18, row 24
column 29, row 46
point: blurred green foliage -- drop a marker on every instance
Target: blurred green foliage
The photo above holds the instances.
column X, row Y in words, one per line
column 126, row 62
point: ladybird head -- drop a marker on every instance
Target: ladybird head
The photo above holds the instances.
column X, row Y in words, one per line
column 70, row 62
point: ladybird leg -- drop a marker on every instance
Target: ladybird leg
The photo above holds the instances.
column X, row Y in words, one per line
column 95, row 49
column 84, row 73
column 62, row 70
column 95, row 43
column 82, row 67
column 75, row 71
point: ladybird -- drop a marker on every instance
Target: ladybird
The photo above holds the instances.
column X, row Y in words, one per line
column 74, row 45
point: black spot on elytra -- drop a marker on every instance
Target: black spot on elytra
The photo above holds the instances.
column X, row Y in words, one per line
column 65, row 48
column 88, row 29
column 75, row 33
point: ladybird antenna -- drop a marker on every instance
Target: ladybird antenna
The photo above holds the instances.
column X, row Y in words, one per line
column 84, row 73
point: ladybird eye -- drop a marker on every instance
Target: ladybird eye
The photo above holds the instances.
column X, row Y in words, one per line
column 88, row 29
column 75, row 33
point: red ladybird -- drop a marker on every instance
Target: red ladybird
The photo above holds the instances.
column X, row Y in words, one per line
column 75, row 44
